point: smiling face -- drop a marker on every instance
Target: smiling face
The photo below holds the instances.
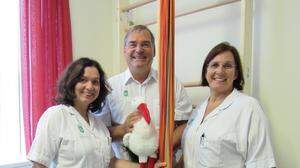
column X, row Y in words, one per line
column 139, row 52
column 221, row 73
column 88, row 88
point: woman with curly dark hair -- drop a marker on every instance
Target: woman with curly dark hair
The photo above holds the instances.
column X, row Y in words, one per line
column 69, row 134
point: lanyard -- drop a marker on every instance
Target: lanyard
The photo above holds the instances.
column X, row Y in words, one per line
column 79, row 126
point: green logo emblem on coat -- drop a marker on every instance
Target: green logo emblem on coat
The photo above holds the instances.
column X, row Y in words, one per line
column 125, row 93
column 80, row 128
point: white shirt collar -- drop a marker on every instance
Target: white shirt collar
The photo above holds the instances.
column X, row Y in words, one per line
column 129, row 78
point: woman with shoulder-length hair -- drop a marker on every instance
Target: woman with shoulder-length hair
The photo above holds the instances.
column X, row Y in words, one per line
column 229, row 129
column 69, row 135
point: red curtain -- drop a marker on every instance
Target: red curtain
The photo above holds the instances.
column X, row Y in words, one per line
column 46, row 49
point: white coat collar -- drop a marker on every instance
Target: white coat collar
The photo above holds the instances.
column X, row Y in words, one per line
column 227, row 102
column 81, row 122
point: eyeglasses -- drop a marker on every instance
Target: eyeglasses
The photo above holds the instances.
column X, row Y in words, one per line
column 216, row 65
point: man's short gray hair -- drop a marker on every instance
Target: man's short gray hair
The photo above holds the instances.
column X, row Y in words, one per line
column 139, row 28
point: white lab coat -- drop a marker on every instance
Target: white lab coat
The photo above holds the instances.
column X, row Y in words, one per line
column 234, row 135
column 125, row 89
column 65, row 140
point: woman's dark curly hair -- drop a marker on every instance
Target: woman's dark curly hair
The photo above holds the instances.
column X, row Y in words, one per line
column 72, row 75
column 238, row 83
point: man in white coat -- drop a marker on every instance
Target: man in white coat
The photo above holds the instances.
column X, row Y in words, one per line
column 140, row 80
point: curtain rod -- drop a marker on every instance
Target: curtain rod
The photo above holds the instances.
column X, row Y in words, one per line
column 209, row 6
column 136, row 5
column 145, row 2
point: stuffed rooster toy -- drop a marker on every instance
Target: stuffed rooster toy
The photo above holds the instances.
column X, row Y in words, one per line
column 143, row 140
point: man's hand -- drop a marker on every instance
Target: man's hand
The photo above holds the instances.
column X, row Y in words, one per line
column 131, row 119
column 118, row 131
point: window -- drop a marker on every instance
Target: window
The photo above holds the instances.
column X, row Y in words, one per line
column 12, row 142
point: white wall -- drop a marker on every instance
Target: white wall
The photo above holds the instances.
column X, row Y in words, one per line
column 92, row 31
column 276, row 65
column 196, row 34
